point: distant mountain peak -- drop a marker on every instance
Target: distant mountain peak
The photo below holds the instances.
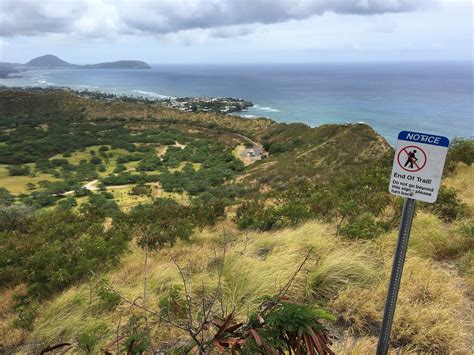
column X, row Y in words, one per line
column 51, row 61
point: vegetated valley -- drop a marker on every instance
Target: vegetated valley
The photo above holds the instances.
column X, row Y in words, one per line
column 130, row 227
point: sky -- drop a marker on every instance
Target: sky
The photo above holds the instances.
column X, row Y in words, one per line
column 237, row 31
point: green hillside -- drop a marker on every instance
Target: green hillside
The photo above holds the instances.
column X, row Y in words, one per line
column 129, row 227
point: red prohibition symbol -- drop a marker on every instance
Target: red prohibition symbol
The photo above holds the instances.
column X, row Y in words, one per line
column 412, row 158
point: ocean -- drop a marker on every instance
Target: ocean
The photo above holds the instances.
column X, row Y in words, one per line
column 432, row 97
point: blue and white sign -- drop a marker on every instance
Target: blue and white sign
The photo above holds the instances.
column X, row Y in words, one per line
column 418, row 165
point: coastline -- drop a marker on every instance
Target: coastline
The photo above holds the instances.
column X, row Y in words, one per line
column 389, row 97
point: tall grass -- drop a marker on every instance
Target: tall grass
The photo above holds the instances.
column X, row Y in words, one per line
column 430, row 311
column 339, row 269
column 349, row 277
column 432, row 238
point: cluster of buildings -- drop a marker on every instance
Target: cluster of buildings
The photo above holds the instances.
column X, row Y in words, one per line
column 207, row 104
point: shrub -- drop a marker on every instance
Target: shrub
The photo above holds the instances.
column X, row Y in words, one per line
column 108, row 300
column 173, row 302
column 119, row 168
column 291, row 327
column 27, row 312
column 363, row 226
column 162, row 223
column 100, row 205
column 255, row 215
column 15, row 218
column 448, row 206
column 19, row 170
column 6, row 198
column 275, row 148
column 460, row 150
column 88, row 339
column 67, row 203
column 141, row 190
column 138, row 341
column 49, row 251
column 82, row 191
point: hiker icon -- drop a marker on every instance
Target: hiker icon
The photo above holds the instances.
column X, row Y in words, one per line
column 412, row 159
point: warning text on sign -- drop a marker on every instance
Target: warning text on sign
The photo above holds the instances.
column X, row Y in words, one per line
column 418, row 165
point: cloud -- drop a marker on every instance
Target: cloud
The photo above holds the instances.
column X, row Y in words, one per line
column 97, row 18
column 230, row 32
column 35, row 18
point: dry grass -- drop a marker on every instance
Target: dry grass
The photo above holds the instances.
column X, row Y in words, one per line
column 338, row 269
column 430, row 310
column 434, row 310
column 10, row 337
column 256, row 265
column 430, row 316
column 432, row 238
column 355, row 346
column 462, row 181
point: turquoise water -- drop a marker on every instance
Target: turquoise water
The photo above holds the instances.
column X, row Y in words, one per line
column 425, row 97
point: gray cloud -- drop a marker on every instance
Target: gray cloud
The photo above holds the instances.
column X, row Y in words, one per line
column 96, row 18
column 35, row 18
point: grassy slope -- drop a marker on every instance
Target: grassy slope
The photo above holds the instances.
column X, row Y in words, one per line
column 56, row 103
column 319, row 152
column 350, row 277
column 316, row 153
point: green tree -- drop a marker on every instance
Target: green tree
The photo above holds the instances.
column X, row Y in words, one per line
column 162, row 223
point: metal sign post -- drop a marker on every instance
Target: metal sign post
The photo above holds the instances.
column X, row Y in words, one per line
column 397, row 270
column 416, row 175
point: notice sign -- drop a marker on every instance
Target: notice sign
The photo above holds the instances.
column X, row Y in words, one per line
column 418, row 165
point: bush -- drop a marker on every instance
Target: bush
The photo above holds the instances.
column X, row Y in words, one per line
column 108, row 300
column 88, row 339
column 6, row 198
column 95, row 160
column 100, row 205
column 162, row 223
column 433, row 238
column 460, row 150
column 448, row 206
column 15, row 218
column 276, row 148
column 173, row 302
column 19, row 170
column 291, row 327
column 82, row 191
column 27, row 313
column 119, row 168
column 67, row 203
column 50, row 251
column 363, row 226
column 141, row 190
column 255, row 215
